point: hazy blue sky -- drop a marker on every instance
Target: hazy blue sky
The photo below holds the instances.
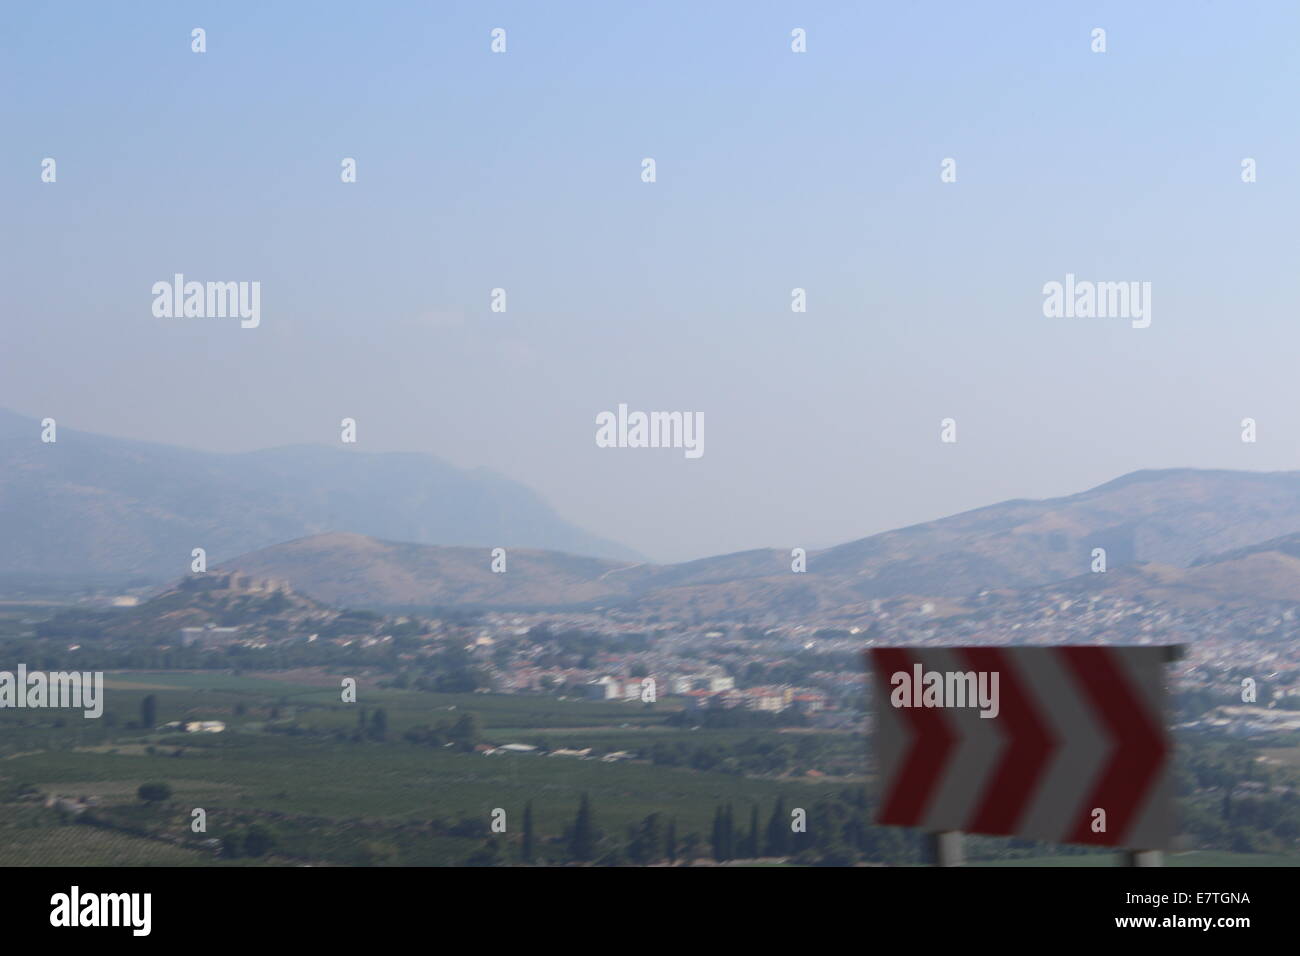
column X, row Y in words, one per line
column 775, row 170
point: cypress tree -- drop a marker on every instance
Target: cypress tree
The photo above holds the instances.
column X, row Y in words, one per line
column 778, row 831
column 526, row 851
column 583, row 843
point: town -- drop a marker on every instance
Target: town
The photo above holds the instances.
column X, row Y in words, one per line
column 803, row 674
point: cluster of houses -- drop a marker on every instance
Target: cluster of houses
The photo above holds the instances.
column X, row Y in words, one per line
column 650, row 688
column 772, row 700
column 195, row 726
column 705, row 691
column 585, row 753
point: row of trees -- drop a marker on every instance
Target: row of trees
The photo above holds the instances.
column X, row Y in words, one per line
column 752, row 756
column 464, row 733
column 655, row 839
column 731, row 841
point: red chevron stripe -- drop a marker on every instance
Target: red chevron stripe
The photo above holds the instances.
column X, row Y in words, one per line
column 1140, row 749
column 1028, row 750
column 933, row 740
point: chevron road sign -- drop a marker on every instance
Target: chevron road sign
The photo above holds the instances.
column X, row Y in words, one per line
column 1063, row 744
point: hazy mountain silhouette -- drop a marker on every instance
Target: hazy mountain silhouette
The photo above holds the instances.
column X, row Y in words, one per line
column 1144, row 521
column 91, row 504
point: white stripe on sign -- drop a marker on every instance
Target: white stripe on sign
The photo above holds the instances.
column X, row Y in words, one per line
column 975, row 758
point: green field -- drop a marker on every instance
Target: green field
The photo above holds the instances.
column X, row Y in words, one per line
column 285, row 760
column 84, row 846
column 389, row 782
column 294, row 761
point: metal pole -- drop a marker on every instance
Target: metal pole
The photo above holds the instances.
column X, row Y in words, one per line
column 946, row 848
column 1144, row 858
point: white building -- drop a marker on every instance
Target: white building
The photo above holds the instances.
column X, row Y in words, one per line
column 209, row 634
column 204, row 727
column 604, row 688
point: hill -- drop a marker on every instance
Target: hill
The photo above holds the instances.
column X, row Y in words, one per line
column 352, row 570
column 1155, row 527
column 217, row 600
column 1266, row 572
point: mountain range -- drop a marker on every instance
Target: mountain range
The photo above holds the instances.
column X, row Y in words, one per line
column 408, row 530
column 94, row 505
column 1185, row 534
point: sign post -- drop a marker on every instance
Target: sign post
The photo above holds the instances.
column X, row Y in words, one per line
column 1061, row 744
column 946, row 849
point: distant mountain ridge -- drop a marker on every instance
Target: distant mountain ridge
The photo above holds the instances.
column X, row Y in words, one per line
column 353, row 570
column 359, row 529
column 1145, row 522
column 92, row 504
column 1265, row 572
